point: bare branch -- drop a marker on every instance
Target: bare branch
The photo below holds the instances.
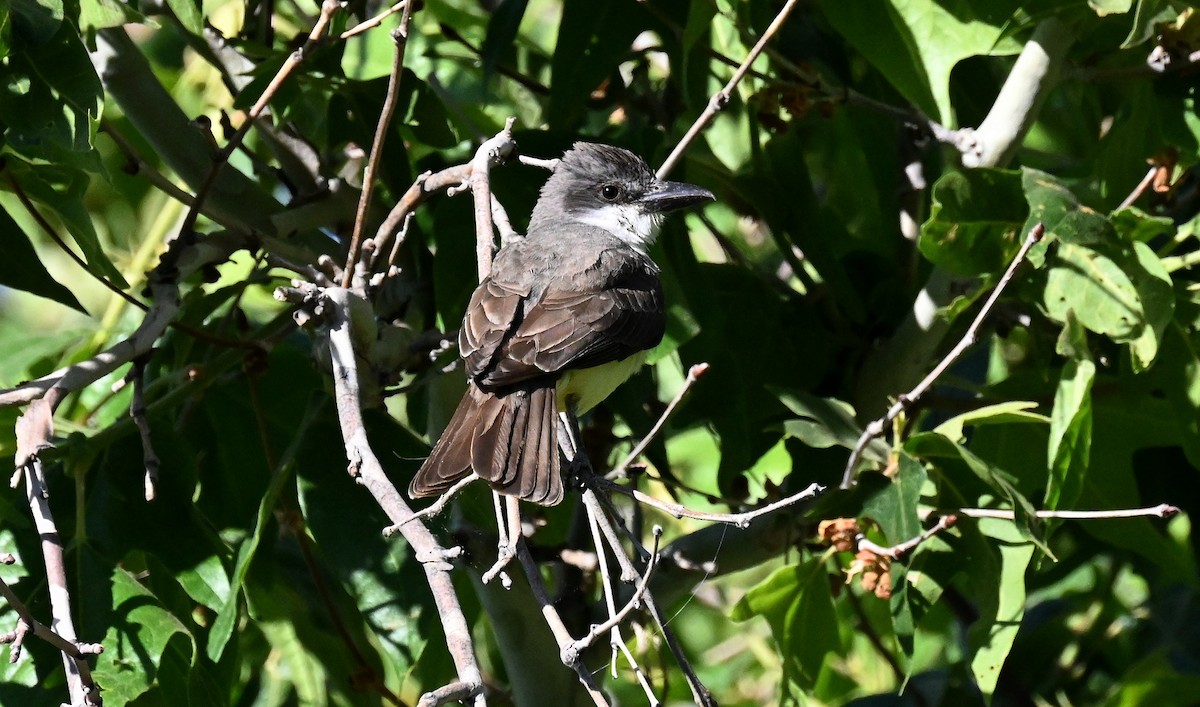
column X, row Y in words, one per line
column 137, row 411
column 1162, row 510
column 377, row 20
column 694, row 374
column 721, row 98
column 877, row 427
column 562, row 636
column 365, row 466
column 895, row 552
column 400, row 37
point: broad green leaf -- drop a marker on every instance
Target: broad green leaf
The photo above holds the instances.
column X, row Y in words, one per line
column 100, row 14
column 797, row 605
column 1058, row 209
column 894, row 507
column 825, row 422
column 138, row 636
column 1153, row 680
column 917, row 43
column 223, row 626
column 1148, row 14
column 932, row 444
column 36, row 21
column 1096, row 289
column 1070, row 434
column 188, row 14
column 62, row 190
column 975, row 222
column 1013, row 412
column 21, row 269
column 1000, row 631
column 1110, row 7
column 501, row 33
column 592, row 38
column 1157, row 296
column 1136, row 225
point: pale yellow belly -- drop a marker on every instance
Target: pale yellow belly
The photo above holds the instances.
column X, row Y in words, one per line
column 582, row 389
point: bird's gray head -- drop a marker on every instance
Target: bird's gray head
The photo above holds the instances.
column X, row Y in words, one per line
column 613, row 189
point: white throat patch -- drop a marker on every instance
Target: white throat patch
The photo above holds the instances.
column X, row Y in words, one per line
column 627, row 222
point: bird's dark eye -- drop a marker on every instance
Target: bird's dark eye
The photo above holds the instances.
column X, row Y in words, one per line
column 610, row 192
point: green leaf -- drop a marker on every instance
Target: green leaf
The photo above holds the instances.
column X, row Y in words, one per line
column 825, row 422
column 1096, row 289
column 1110, row 7
column 917, row 43
column 1157, row 295
column 501, row 33
column 101, row 14
column 36, row 21
column 1136, row 225
column 797, row 605
column 188, row 14
column 1148, row 14
column 933, row 445
column 592, row 39
column 992, row 637
column 894, row 507
column 975, row 222
column 1012, row 412
column 62, row 190
column 21, row 269
column 222, row 629
column 139, row 634
column 1070, row 446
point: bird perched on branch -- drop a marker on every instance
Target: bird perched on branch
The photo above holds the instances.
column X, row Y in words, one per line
column 566, row 315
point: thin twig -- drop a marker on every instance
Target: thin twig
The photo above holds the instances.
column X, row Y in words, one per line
column 634, row 602
column 400, row 37
column 82, row 688
column 694, row 374
column 1162, row 510
column 376, row 20
column 595, row 505
column 490, row 153
column 435, row 507
column 897, row 551
column 558, row 629
column 137, row 411
column 740, row 520
column 319, row 30
column 26, row 624
column 877, row 427
column 721, row 98
column 1140, row 188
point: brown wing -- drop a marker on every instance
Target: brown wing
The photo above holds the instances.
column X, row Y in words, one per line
column 608, row 312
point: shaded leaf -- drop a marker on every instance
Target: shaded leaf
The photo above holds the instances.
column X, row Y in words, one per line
column 21, row 269
column 894, row 507
column 139, row 634
column 1012, row 412
column 1070, row 434
column 797, row 605
column 975, row 222
column 992, row 638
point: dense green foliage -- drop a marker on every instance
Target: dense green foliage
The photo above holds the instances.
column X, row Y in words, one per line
column 259, row 574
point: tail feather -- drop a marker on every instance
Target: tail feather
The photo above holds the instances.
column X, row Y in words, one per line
column 510, row 441
column 450, row 459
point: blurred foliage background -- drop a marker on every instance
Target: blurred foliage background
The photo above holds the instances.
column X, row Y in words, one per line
column 847, row 252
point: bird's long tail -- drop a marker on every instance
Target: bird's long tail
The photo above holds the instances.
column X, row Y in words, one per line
column 511, row 441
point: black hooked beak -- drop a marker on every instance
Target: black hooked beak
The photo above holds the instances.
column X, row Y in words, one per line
column 671, row 196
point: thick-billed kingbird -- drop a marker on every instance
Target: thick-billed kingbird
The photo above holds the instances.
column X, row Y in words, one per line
column 566, row 315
